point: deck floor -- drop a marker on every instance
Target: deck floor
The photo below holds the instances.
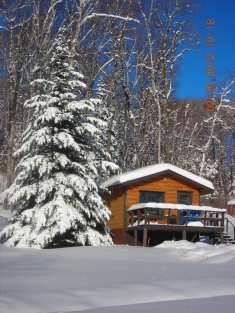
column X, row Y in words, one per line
column 175, row 228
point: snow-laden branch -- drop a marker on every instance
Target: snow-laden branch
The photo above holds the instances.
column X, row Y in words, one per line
column 53, row 5
column 93, row 15
column 225, row 92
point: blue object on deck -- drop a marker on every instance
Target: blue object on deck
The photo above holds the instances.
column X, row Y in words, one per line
column 189, row 216
column 194, row 214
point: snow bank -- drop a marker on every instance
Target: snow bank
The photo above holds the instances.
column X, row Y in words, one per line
column 77, row 279
column 199, row 251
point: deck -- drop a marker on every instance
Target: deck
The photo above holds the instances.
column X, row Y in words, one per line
column 181, row 221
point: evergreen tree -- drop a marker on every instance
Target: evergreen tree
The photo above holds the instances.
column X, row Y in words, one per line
column 55, row 194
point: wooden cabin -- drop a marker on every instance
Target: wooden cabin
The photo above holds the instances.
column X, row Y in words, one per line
column 160, row 202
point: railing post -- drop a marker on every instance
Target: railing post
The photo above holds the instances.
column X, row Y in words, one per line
column 226, row 225
column 145, row 237
column 145, row 217
column 138, row 214
column 135, row 237
column 222, row 221
column 169, row 214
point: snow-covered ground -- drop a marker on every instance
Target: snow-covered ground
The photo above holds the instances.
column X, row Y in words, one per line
column 176, row 277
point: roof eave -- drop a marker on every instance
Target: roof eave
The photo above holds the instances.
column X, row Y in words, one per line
column 204, row 189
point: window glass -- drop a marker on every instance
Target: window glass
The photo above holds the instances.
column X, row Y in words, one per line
column 151, row 196
column 184, row 197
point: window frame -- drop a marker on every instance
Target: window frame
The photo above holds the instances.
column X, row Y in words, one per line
column 185, row 192
column 150, row 191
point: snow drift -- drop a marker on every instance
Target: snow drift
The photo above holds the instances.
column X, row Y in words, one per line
column 89, row 278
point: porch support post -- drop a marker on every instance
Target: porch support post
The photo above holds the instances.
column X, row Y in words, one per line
column 205, row 218
column 184, row 235
column 222, row 237
column 222, row 222
column 135, row 237
column 145, row 237
column 226, row 225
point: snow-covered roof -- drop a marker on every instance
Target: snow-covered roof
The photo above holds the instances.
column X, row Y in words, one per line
column 175, row 206
column 231, row 202
column 156, row 169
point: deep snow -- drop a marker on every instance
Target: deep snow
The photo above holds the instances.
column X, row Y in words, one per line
column 173, row 277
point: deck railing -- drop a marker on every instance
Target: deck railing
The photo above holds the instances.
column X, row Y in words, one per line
column 149, row 216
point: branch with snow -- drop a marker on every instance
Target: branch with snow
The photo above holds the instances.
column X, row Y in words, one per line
column 94, row 15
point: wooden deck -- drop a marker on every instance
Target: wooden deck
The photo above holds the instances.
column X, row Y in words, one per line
column 148, row 222
column 180, row 228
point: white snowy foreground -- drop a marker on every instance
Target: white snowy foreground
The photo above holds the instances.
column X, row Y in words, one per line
column 176, row 277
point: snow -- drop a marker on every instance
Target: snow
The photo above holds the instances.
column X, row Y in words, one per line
column 230, row 227
column 175, row 206
column 231, row 202
column 231, row 219
column 118, row 279
column 3, row 221
column 156, row 169
column 199, row 251
column 195, row 223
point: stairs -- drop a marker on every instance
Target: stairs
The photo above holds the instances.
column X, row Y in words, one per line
column 228, row 236
column 227, row 239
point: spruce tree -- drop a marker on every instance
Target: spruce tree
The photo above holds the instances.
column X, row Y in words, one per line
column 55, row 194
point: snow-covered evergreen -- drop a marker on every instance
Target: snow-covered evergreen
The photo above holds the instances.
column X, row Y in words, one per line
column 55, row 194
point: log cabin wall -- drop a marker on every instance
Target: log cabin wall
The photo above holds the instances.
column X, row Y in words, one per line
column 231, row 210
column 117, row 207
column 168, row 184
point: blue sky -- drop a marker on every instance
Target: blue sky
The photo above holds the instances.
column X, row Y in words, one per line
column 192, row 78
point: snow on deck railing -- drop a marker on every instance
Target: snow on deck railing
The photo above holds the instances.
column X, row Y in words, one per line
column 148, row 214
column 176, row 206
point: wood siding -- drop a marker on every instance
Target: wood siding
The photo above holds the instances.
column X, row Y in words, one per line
column 117, row 207
column 168, row 184
column 231, row 210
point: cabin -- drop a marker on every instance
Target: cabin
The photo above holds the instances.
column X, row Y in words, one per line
column 160, row 202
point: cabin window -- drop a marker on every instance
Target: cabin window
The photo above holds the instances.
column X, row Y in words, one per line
column 184, row 197
column 151, row 196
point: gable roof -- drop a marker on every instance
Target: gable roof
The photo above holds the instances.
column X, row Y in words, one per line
column 156, row 170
